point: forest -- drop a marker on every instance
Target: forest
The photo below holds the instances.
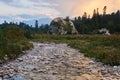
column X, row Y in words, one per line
column 87, row 25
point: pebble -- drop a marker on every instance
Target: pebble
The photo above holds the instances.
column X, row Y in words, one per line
column 50, row 61
column 115, row 67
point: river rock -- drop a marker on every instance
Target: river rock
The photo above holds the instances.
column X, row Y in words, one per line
column 50, row 61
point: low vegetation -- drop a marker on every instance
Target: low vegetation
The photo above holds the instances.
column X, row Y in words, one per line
column 12, row 42
column 101, row 47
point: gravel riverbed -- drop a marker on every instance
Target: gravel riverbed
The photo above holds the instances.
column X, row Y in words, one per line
column 50, row 61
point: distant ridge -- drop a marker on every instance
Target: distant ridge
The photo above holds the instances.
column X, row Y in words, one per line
column 40, row 21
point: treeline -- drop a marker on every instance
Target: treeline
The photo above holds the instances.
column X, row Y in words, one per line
column 91, row 25
column 28, row 30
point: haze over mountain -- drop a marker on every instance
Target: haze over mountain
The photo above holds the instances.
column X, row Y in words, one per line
column 27, row 10
column 40, row 21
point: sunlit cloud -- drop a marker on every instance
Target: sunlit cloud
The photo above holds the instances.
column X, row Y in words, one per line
column 78, row 7
column 53, row 8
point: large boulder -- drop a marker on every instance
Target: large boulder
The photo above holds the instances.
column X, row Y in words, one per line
column 62, row 26
column 104, row 31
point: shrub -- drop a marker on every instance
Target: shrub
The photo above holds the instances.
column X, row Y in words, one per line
column 13, row 50
column 14, row 34
column 1, row 55
column 28, row 34
column 25, row 45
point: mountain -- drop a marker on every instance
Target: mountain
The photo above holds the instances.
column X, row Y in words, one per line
column 40, row 21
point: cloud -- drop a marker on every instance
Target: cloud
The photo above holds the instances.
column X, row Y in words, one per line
column 16, row 7
column 78, row 7
column 53, row 8
column 23, row 17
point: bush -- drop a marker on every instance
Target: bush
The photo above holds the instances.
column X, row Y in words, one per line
column 28, row 34
column 13, row 50
column 1, row 55
column 14, row 34
column 25, row 45
column 12, row 41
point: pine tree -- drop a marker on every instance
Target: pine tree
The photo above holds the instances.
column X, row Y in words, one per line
column 84, row 17
column 36, row 24
column 104, row 10
column 97, row 11
column 94, row 13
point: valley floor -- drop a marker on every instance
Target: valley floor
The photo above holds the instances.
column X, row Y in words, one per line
column 50, row 61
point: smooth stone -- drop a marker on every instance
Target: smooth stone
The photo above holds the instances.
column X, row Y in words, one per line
column 115, row 67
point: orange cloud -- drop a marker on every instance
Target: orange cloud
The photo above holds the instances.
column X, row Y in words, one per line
column 112, row 5
column 78, row 7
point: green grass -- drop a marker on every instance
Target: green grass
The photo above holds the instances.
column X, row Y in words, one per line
column 104, row 48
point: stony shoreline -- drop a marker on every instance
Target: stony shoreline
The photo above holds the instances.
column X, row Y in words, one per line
column 50, row 61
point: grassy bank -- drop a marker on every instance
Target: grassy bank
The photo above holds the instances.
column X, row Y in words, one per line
column 104, row 48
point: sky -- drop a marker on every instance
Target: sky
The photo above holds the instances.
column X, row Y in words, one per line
column 25, row 10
